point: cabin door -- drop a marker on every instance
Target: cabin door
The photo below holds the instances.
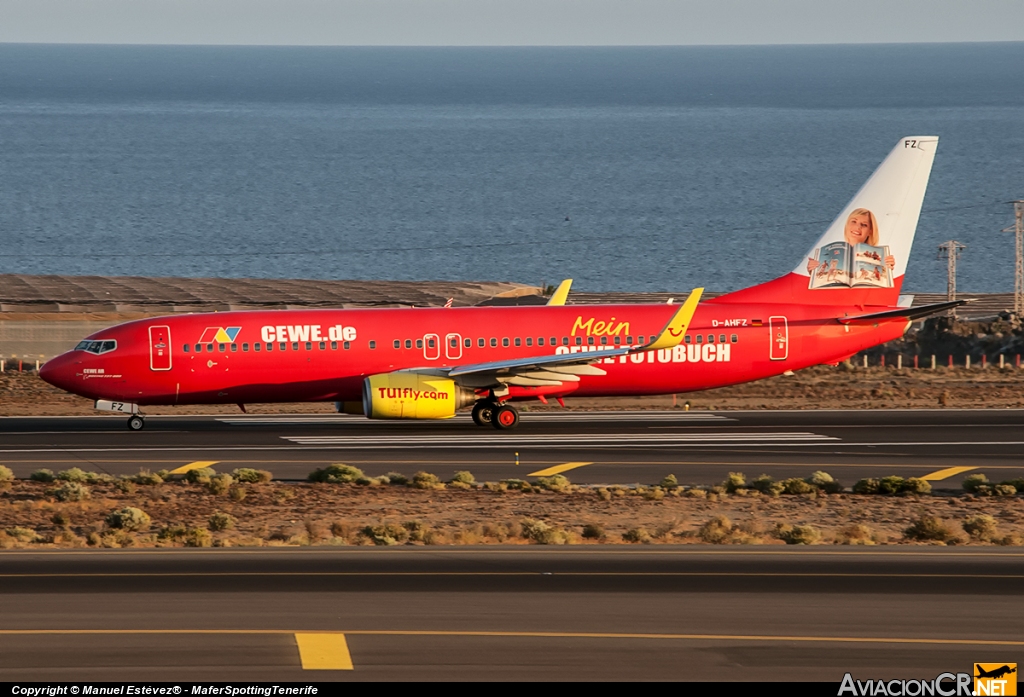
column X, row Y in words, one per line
column 160, row 347
column 779, row 329
column 453, row 346
column 431, row 347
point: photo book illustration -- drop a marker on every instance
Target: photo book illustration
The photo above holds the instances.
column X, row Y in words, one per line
column 842, row 265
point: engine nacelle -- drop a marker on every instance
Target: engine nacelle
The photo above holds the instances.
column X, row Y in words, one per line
column 402, row 395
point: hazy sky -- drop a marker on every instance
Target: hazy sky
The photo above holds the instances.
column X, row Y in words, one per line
column 509, row 22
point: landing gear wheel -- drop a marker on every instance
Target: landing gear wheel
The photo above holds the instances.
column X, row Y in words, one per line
column 506, row 416
column 136, row 423
column 483, row 412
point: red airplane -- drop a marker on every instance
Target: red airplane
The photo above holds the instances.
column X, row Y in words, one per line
column 427, row 363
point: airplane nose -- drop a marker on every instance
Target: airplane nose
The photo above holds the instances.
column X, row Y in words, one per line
column 55, row 371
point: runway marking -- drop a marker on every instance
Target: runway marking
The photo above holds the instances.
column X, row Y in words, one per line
column 194, row 466
column 535, row 635
column 558, row 469
column 323, row 651
column 503, row 574
column 586, row 440
column 939, row 475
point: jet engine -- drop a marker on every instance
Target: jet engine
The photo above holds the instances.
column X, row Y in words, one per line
column 402, row 395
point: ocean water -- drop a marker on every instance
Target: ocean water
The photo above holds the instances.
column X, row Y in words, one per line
column 624, row 168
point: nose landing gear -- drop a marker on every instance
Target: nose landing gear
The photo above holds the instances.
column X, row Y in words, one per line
column 136, row 422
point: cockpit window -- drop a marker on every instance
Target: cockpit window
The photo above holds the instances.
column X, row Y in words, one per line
column 97, row 347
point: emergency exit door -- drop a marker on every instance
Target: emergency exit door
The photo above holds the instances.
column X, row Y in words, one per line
column 160, row 347
column 779, row 328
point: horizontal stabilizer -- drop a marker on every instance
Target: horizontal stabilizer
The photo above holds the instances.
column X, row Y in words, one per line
column 905, row 312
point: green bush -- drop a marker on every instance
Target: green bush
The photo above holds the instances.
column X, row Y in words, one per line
column 669, row 482
column 200, row 475
column 23, row 534
column 637, row 536
column 734, row 482
column 516, row 484
column 866, row 486
column 1017, row 483
column 43, row 475
column 463, row 480
column 70, row 491
column 252, row 476
column 767, row 485
column 929, row 528
column 892, row 485
column 543, row 534
column 593, row 531
column 555, row 482
column 337, row 474
column 220, row 484
column 916, row 485
column 798, row 534
column 129, row 518
column 1004, row 490
column 982, row 528
column 796, row 486
column 973, row 482
column 426, row 480
column 385, row 535
column 6, row 475
column 220, row 521
column 417, row 530
column 173, row 533
column 824, row 482
column 146, row 478
column 397, row 478
column 74, row 474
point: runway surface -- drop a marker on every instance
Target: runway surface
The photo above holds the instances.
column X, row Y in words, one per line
column 590, row 447
column 508, row 613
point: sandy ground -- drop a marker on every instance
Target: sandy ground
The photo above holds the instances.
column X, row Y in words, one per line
column 822, row 387
column 289, row 514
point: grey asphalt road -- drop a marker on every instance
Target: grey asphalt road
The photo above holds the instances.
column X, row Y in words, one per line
column 618, row 447
column 508, row 613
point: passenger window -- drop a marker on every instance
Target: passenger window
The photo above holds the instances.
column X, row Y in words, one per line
column 604, row 341
column 257, row 347
column 234, row 348
column 494, row 342
column 347, row 345
column 518, row 341
column 431, row 343
column 295, row 346
column 334, row 345
column 373, row 344
column 323, row 345
column 398, row 343
column 408, row 343
column 618, row 340
column 419, row 343
column 283, row 346
column 185, row 348
column 711, row 338
column 270, row 346
column 686, row 338
column 221, row 347
column 540, row 341
column 590, row 340
column 721, row 338
column 454, row 343
column 700, row 338
column 629, row 341
column 565, row 341
column 504, row 342
column 209, row 348
column 735, row 338
column 468, row 343
column 579, row 340
column 480, row 343
column 245, row 348
column 529, row 341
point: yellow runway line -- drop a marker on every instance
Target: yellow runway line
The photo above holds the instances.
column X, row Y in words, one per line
column 558, row 469
column 939, row 475
column 194, row 466
column 323, row 651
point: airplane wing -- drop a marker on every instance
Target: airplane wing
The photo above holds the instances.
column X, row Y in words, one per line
column 905, row 312
column 568, row 367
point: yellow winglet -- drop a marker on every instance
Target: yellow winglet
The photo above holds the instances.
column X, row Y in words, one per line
column 561, row 293
column 672, row 334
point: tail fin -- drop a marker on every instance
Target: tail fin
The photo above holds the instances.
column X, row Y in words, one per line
column 862, row 257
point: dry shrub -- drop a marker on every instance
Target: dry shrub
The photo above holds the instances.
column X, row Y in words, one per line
column 340, row 529
column 426, row 480
column 1010, row 540
column 145, row 477
column 172, row 533
column 220, row 484
column 797, row 534
column 496, row 531
column 721, row 531
column 637, row 536
column 604, row 494
column 250, row 475
column 593, row 531
column 1017, row 483
column 734, row 482
column 767, row 485
column 929, row 528
column 981, row 528
column 337, row 474
column 539, row 532
column 6, row 474
column 555, row 482
column 70, row 491
column 669, row 482
column 855, row 534
column 385, row 534
column 220, row 521
column 823, row 481
column 654, row 494
column 695, row 494
column 42, row 475
column 237, row 494
column 397, row 478
column 200, row 475
column 198, row 537
column 23, row 535
column 976, row 484
column 462, row 480
column 1004, row 490
column 892, row 485
column 796, row 486
column 61, row 518
column 128, row 518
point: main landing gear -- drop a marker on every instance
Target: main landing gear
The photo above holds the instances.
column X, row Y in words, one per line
column 136, row 422
column 501, row 416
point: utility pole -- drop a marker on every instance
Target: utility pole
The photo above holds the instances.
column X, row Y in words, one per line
column 951, row 251
column 1018, row 264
